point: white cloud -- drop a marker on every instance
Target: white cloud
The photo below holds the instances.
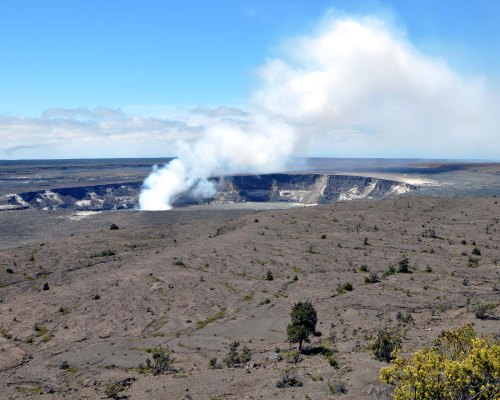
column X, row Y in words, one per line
column 82, row 113
column 106, row 132
column 102, row 132
column 356, row 88
column 219, row 112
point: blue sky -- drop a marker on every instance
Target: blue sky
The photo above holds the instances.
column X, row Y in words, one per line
column 120, row 53
column 150, row 57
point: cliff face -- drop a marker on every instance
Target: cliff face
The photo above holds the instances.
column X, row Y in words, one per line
column 305, row 188
column 295, row 188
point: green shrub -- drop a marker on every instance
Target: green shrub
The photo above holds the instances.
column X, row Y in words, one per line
column 5, row 333
column 332, row 336
column 404, row 316
column 473, row 262
column 9, row 270
column 248, row 297
column 332, row 361
column 234, row 358
column 112, row 389
column 404, row 265
column 316, row 378
column 64, row 365
column 364, row 268
column 214, row 364
column 63, row 310
column 269, row 276
column 457, row 366
column 337, row 387
column 40, row 329
column 265, row 301
column 47, row 337
column 485, row 311
column 391, row 270
column 288, row 379
column 160, row 363
column 245, row 355
column 431, row 233
column 106, row 253
column 293, row 356
column 179, row 263
column 476, row 252
column 385, row 344
column 372, row 278
column 345, row 287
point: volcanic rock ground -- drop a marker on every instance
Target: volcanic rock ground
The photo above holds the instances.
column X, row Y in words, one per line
column 193, row 280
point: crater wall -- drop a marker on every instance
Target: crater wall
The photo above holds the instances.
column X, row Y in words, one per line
column 295, row 188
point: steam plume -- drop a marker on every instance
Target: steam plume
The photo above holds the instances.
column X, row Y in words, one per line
column 226, row 147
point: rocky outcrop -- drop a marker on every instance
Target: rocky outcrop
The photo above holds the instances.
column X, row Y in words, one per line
column 294, row 188
column 98, row 197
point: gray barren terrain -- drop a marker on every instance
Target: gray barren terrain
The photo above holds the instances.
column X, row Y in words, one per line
column 193, row 280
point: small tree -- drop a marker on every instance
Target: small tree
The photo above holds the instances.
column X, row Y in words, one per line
column 304, row 319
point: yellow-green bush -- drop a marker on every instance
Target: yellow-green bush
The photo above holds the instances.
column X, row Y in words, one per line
column 458, row 366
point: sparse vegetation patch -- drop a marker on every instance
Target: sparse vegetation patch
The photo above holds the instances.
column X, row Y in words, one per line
column 219, row 315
